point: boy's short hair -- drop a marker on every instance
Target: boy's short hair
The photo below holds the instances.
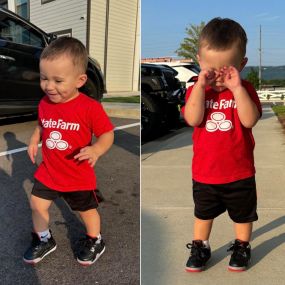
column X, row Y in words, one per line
column 67, row 46
column 222, row 34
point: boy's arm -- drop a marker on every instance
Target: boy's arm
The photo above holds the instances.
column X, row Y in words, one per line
column 34, row 141
column 247, row 110
column 195, row 106
column 100, row 147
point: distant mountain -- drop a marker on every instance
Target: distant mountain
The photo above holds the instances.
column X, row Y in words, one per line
column 267, row 72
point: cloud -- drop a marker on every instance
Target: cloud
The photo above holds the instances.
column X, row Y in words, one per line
column 261, row 15
column 273, row 18
column 266, row 17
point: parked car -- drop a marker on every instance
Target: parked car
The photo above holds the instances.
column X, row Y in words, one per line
column 161, row 96
column 21, row 44
column 186, row 71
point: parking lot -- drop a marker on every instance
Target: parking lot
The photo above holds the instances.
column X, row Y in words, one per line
column 118, row 175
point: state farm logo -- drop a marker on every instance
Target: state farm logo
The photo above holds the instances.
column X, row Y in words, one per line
column 218, row 122
column 55, row 141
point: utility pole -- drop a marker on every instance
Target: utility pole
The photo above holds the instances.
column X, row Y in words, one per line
column 259, row 75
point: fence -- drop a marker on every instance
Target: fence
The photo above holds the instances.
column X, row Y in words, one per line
column 272, row 96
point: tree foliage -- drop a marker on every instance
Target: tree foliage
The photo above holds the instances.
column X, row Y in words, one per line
column 252, row 77
column 189, row 46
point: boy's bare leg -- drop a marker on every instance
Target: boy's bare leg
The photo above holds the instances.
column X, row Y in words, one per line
column 91, row 220
column 40, row 214
column 243, row 231
column 202, row 229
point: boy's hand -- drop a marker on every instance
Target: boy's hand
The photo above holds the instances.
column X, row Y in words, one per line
column 32, row 152
column 207, row 77
column 232, row 78
column 88, row 153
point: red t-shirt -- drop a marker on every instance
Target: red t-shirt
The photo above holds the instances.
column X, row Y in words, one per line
column 222, row 146
column 66, row 128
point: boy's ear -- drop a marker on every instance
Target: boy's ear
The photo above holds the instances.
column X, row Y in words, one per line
column 243, row 63
column 198, row 58
column 81, row 80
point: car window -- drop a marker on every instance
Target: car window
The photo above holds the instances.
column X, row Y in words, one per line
column 16, row 32
column 194, row 68
column 150, row 71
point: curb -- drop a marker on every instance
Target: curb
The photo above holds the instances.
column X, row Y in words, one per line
column 122, row 110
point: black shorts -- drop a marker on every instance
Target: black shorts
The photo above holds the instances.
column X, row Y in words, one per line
column 77, row 200
column 238, row 198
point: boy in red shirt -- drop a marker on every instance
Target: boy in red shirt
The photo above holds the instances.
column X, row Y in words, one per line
column 223, row 109
column 67, row 120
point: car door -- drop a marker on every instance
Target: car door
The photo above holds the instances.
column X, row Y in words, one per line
column 20, row 49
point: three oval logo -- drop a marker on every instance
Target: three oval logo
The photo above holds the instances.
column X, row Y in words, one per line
column 55, row 141
column 218, row 122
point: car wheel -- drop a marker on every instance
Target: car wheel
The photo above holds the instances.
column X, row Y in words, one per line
column 151, row 117
column 91, row 88
column 172, row 115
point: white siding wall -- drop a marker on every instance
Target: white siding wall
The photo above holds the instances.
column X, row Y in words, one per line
column 137, row 51
column 61, row 15
column 121, row 44
column 97, row 30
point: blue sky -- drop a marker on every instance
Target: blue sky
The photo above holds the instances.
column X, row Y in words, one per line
column 164, row 23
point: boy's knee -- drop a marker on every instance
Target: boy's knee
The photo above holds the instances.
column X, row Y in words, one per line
column 37, row 204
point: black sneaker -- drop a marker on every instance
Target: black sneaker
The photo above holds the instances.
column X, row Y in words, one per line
column 200, row 254
column 90, row 249
column 240, row 257
column 39, row 249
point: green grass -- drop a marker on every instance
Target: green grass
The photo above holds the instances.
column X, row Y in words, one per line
column 131, row 99
column 279, row 110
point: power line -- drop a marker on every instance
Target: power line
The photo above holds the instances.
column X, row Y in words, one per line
column 260, row 57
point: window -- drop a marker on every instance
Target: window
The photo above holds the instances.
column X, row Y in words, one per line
column 63, row 33
column 22, row 8
column 4, row 3
column 46, row 1
column 16, row 32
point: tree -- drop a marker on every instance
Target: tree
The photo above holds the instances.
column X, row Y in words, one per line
column 253, row 78
column 189, row 47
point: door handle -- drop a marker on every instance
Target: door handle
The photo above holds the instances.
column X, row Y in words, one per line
column 5, row 57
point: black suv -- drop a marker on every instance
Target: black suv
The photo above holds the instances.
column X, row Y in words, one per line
column 21, row 44
column 161, row 97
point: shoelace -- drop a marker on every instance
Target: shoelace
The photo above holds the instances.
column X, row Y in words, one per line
column 237, row 249
column 195, row 250
column 86, row 243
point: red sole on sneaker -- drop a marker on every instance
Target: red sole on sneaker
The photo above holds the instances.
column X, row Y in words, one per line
column 236, row 270
column 193, row 270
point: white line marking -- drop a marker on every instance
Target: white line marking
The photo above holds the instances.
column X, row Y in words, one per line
column 126, row 126
column 25, row 148
column 13, row 151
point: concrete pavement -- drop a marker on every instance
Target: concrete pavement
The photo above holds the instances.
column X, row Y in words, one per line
column 122, row 110
column 167, row 213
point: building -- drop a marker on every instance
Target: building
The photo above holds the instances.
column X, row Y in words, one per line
column 110, row 29
column 165, row 59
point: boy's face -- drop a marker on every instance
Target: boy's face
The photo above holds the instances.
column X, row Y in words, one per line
column 210, row 59
column 60, row 79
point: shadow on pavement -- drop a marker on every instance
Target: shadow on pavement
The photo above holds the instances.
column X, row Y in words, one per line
column 152, row 264
column 128, row 142
column 259, row 252
column 16, row 222
column 15, row 216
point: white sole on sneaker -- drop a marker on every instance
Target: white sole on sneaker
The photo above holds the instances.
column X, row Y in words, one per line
column 86, row 263
column 34, row 261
